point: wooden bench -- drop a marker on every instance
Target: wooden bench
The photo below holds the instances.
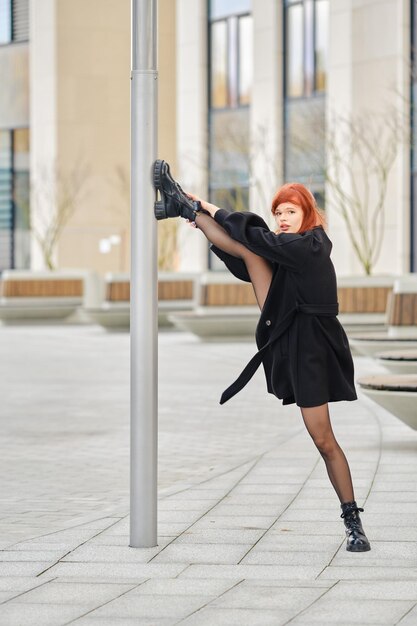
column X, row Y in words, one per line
column 176, row 292
column 400, row 332
column 45, row 296
column 363, row 302
column 225, row 308
column 395, row 393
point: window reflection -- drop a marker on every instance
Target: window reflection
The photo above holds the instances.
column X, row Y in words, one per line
column 306, row 49
column 295, row 51
column 219, row 64
column 231, row 70
column 229, row 156
column 5, row 21
column 307, row 32
column 224, row 8
column 321, row 43
column 6, row 207
column 14, row 199
column 245, row 59
column 21, row 198
column 305, row 120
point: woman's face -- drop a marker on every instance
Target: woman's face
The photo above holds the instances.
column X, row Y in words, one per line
column 289, row 217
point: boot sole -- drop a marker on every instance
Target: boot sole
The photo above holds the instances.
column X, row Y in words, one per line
column 160, row 209
column 358, row 548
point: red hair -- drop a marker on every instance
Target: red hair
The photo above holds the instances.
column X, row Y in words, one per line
column 300, row 195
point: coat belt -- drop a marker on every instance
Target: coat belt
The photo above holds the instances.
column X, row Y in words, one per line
column 327, row 310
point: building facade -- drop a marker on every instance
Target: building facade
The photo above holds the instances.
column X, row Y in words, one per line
column 252, row 93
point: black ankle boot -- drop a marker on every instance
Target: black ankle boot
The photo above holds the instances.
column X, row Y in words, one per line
column 174, row 201
column 356, row 538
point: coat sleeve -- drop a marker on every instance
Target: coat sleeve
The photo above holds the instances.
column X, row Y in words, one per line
column 288, row 249
column 236, row 266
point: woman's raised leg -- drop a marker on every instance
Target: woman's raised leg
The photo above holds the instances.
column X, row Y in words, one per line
column 259, row 269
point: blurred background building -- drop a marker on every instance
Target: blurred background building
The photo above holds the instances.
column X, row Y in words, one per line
column 252, row 93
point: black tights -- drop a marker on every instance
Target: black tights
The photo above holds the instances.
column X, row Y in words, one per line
column 259, row 269
column 317, row 418
column 317, row 421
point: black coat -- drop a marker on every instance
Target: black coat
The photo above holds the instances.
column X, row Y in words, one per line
column 302, row 345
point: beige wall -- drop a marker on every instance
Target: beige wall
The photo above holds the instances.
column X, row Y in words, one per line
column 90, row 100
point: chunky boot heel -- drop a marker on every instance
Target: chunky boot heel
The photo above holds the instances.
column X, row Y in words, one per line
column 159, row 210
column 174, row 201
column 356, row 538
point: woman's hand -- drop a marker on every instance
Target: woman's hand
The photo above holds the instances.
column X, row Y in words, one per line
column 210, row 208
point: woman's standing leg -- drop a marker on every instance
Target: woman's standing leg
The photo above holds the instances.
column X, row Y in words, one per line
column 259, row 269
column 317, row 421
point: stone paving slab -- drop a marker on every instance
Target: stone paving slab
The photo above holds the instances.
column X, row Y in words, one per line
column 251, row 571
column 382, row 589
column 14, row 613
column 153, row 606
column 329, row 610
column 410, row 618
column 268, row 597
column 220, row 536
column 89, row 620
column 237, row 617
column 249, row 528
column 90, row 594
column 182, row 586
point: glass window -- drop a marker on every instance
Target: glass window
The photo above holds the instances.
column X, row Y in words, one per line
column 21, row 197
column 295, row 51
column 6, row 205
column 233, row 61
column 231, row 198
column 304, row 133
column 14, row 199
column 245, row 59
column 20, row 20
column 225, row 8
column 321, row 43
column 219, row 92
column 5, row 21
column 231, row 70
column 306, row 36
column 229, row 155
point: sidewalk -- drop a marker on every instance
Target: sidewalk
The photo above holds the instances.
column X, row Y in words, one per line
column 249, row 524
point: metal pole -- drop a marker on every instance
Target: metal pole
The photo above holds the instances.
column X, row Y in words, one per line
column 144, row 279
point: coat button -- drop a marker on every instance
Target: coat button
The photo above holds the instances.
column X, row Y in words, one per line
column 268, row 322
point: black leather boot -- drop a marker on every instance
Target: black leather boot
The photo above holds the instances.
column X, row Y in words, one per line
column 356, row 538
column 174, row 201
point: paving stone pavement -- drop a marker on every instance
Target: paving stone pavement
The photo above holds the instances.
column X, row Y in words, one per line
column 248, row 523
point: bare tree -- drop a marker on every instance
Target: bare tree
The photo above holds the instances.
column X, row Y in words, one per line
column 55, row 195
column 360, row 153
column 358, row 176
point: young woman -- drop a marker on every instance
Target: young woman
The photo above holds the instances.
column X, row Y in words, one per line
column 301, row 344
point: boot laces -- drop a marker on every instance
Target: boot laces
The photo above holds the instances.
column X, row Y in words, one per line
column 352, row 518
column 350, row 510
